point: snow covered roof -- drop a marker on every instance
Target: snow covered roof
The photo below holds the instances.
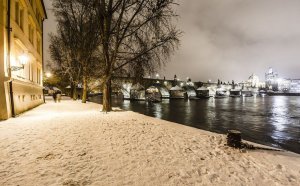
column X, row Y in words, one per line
column 176, row 88
column 46, row 88
column 237, row 90
column 220, row 89
column 152, row 87
column 69, row 86
column 202, row 88
column 56, row 89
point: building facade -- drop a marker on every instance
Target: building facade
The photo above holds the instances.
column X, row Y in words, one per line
column 253, row 81
column 289, row 85
column 271, row 78
column 21, row 55
column 285, row 85
column 295, row 86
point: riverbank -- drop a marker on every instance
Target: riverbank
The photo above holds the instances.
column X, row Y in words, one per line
column 70, row 143
column 270, row 120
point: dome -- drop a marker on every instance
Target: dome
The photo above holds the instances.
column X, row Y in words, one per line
column 253, row 77
column 253, row 80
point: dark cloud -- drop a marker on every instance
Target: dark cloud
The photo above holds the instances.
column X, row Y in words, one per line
column 231, row 39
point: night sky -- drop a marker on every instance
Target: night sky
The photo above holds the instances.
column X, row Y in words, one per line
column 230, row 39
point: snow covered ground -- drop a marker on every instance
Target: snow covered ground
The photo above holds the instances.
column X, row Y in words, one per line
column 70, row 143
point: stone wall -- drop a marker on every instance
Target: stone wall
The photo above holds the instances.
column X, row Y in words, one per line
column 26, row 96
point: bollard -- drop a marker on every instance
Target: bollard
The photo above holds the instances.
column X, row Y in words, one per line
column 234, row 139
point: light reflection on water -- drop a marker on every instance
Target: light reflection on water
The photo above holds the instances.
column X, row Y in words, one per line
column 269, row 120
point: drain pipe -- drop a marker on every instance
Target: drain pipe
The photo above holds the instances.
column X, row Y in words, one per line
column 43, row 64
column 9, row 29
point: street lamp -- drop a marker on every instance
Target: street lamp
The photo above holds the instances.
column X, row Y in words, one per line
column 23, row 58
column 48, row 74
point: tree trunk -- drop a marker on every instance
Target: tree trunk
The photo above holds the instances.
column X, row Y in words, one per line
column 107, row 96
column 75, row 92
column 84, row 90
column 72, row 91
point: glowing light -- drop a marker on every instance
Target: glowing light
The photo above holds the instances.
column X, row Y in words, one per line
column 13, row 61
column 157, row 75
column 23, row 59
column 181, row 84
column 48, row 74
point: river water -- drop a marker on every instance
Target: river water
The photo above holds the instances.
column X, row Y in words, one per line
column 273, row 121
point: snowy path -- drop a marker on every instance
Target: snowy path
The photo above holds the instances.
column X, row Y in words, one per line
column 70, row 143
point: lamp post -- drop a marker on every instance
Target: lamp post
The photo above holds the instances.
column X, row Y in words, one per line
column 48, row 74
column 9, row 29
column 23, row 58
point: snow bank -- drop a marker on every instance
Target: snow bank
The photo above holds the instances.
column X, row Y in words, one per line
column 70, row 143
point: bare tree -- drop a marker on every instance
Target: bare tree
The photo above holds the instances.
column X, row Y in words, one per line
column 61, row 54
column 136, row 35
column 74, row 47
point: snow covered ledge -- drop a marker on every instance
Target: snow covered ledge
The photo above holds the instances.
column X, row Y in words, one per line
column 73, row 143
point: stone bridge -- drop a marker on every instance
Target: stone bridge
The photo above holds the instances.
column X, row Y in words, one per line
column 126, row 85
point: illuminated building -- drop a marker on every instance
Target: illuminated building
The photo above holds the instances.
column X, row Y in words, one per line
column 21, row 55
column 275, row 83
column 271, row 79
column 251, row 86
column 253, row 81
column 284, row 85
column 295, row 86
